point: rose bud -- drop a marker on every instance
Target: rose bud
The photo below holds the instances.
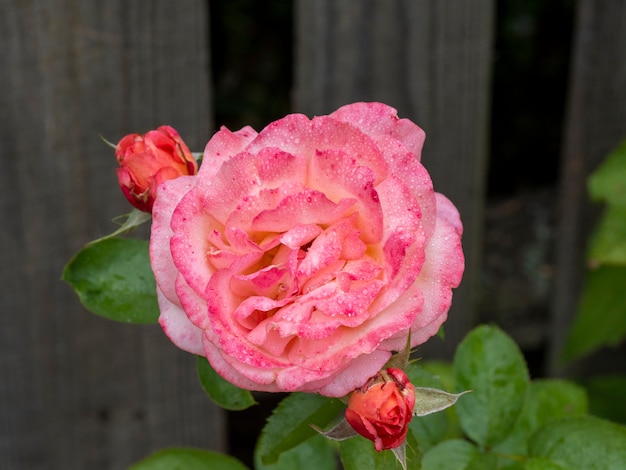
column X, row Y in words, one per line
column 382, row 409
column 148, row 160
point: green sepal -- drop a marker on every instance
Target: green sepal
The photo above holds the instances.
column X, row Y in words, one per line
column 400, row 360
column 127, row 222
column 430, row 400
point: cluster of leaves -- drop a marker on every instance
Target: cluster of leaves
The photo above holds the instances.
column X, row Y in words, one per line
column 601, row 316
column 601, row 319
column 507, row 422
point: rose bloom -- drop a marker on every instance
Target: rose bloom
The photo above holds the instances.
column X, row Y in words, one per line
column 148, row 160
column 382, row 410
column 300, row 258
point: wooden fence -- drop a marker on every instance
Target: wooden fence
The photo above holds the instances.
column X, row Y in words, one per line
column 77, row 391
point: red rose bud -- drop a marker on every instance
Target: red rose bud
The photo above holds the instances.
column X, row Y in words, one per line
column 148, row 160
column 382, row 410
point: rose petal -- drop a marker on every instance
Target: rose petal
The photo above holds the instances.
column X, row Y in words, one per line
column 194, row 306
column 177, row 326
column 448, row 212
column 441, row 272
column 291, row 134
column 190, row 243
column 253, row 379
column 339, row 175
column 276, row 168
column 376, row 119
column 347, row 344
column 248, row 184
column 300, row 235
column 325, row 249
column 331, row 134
column 403, row 239
column 297, row 135
column 411, row 172
column 232, row 335
column 360, row 369
column 169, row 195
column 223, row 145
column 305, row 207
column 235, row 181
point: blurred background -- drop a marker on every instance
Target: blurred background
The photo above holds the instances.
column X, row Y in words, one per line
column 520, row 101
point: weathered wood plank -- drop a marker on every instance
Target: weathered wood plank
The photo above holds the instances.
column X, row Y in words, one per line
column 78, row 391
column 431, row 60
column 595, row 124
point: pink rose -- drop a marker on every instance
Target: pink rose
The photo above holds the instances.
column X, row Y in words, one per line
column 300, row 257
column 382, row 410
column 148, row 160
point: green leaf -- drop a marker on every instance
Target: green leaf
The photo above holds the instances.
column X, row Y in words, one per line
column 221, row 391
column 188, row 459
column 484, row 461
column 608, row 181
column 315, row 453
column 290, row 423
column 584, row 443
column 601, row 317
column 113, row 279
column 490, row 363
column 608, row 243
column 431, row 429
column 358, row 453
column 441, row 334
column 453, row 454
column 606, row 397
column 547, row 400
column 507, row 463
column 538, row 463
